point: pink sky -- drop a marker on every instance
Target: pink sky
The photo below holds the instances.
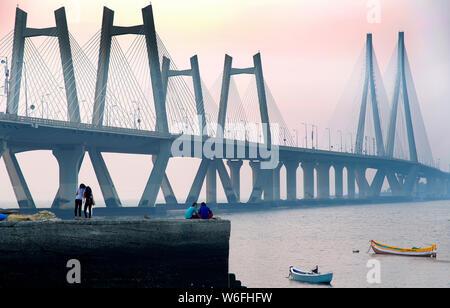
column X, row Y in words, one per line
column 309, row 47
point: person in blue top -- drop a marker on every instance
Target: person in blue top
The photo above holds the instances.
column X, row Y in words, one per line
column 79, row 196
column 191, row 212
column 205, row 212
column 3, row 217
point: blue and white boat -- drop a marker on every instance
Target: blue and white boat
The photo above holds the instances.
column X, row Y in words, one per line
column 310, row 277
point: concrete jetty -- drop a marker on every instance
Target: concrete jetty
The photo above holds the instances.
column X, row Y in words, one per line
column 115, row 253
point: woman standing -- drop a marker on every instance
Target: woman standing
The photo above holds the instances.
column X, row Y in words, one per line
column 89, row 197
column 79, row 195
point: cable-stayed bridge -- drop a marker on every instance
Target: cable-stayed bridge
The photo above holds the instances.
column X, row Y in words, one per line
column 98, row 98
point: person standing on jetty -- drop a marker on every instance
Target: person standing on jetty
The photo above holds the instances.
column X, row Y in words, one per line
column 79, row 196
column 191, row 212
column 205, row 212
column 89, row 197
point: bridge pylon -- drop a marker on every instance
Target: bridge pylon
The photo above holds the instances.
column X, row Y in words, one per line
column 369, row 88
column 21, row 32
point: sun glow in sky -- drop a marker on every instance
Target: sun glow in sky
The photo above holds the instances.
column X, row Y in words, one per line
column 308, row 47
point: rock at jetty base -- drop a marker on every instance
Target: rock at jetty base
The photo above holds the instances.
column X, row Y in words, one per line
column 116, row 253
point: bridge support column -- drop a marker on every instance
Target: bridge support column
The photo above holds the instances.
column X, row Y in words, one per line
column 377, row 183
column 338, row 180
column 323, row 180
column 104, row 179
column 448, row 188
column 2, row 148
column 276, row 183
column 268, row 186
column 235, row 174
column 196, row 187
column 308, row 179
column 211, row 183
column 363, row 185
column 69, row 161
column 169, row 195
column 431, row 187
column 291, row 179
column 351, row 190
column 20, row 187
column 155, row 180
column 260, row 178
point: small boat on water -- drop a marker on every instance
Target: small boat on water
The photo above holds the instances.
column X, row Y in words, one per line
column 412, row 252
column 310, row 277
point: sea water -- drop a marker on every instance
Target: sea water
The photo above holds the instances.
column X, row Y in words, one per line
column 264, row 244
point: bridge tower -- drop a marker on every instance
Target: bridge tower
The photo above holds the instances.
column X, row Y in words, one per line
column 369, row 88
column 401, row 87
column 158, row 177
column 21, row 32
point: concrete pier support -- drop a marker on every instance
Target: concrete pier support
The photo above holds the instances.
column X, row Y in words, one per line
column 20, row 187
column 104, row 179
column 363, row 185
column 169, row 195
column 323, row 180
column 268, row 186
column 338, row 180
column 431, row 187
column 351, row 190
column 308, row 179
column 447, row 186
column 258, row 179
column 276, row 183
column 2, row 148
column 255, row 165
column 291, row 179
column 197, row 185
column 211, row 183
column 235, row 174
column 69, row 160
column 155, row 180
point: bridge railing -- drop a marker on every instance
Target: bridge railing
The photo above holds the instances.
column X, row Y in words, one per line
column 74, row 125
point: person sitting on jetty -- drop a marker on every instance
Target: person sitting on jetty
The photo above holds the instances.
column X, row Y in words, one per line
column 191, row 212
column 205, row 212
column 79, row 196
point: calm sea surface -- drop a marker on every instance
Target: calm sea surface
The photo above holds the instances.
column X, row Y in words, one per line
column 264, row 244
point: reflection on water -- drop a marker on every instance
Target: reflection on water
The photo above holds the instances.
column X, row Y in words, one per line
column 264, row 244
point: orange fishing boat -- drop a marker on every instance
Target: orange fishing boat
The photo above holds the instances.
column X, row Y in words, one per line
column 412, row 252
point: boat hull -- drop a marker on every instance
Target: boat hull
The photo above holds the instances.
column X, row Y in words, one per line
column 309, row 277
column 389, row 250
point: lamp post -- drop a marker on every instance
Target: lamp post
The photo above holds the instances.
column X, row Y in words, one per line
column 365, row 138
column 139, row 115
column 329, row 138
column 296, row 137
column 5, row 62
column 306, row 134
column 42, row 105
column 340, row 133
column 351, row 142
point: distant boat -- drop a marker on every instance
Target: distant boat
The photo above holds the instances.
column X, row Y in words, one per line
column 310, row 277
column 412, row 252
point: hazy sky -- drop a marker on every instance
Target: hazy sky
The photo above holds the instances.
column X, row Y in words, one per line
column 308, row 47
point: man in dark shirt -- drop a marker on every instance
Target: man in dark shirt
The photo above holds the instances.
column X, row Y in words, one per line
column 205, row 212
